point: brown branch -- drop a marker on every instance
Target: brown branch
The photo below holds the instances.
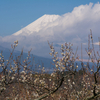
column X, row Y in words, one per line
column 93, row 97
column 51, row 92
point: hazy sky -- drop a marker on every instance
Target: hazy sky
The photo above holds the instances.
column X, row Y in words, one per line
column 16, row 14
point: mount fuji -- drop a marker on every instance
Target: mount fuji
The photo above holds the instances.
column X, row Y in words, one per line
column 72, row 27
column 42, row 23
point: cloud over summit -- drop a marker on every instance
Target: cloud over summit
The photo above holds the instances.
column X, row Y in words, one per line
column 71, row 27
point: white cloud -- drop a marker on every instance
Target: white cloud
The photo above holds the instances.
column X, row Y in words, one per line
column 71, row 27
column 96, row 43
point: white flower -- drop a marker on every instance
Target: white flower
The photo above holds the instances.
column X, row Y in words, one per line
column 91, row 70
column 52, row 74
column 23, row 72
column 77, row 66
column 52, row 50
column 50, row 54
column 25, row 66
column 68, row 80
column 54, row 60
column 56, row 52
column 56, row 66
column 73, row 83
column 12, row 78
column 16, row 45
column 49, row 79
column 70, row 65
column 62, row 54
column 89, row 53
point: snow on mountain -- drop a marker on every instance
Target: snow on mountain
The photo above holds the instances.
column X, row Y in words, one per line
column 43, row 22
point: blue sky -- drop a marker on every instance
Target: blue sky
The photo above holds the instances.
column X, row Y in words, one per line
column 15, row 14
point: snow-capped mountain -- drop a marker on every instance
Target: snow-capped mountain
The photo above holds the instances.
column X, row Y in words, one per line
column 72, row 27
column 43, row 22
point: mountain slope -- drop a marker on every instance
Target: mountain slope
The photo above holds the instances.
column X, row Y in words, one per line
column 36, row 26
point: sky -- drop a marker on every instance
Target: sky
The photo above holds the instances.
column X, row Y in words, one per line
column 16, row 14
column 56, row 21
